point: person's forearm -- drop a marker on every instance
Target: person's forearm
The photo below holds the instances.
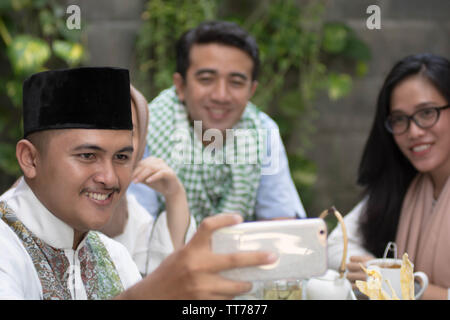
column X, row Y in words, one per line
column 434, row 292
column 178, row 217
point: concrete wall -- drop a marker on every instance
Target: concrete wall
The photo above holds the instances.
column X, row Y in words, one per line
column 111, row 30
column 407, row 26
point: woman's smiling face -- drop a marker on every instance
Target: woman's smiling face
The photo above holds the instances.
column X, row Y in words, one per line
column 428, row 150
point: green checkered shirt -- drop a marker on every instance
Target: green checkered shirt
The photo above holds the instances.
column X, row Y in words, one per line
column 217, row 179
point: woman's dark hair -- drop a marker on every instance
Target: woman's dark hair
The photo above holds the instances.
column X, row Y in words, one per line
column 384, row 172
column 222, row 32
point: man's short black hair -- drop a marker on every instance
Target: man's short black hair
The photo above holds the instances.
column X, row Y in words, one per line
column 222, row 32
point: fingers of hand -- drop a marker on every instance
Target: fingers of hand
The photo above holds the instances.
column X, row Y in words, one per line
column 355, row 263
column 149, row 175
column 212, row 286
column 150, row 163
column 197, row 277
column 354, row 267
column 225, row 288
column 228, row 289
column 154, row 163
column 362, row 259
column 353, row 276
column 202, row 237
column 141, row 174
column 157, row 176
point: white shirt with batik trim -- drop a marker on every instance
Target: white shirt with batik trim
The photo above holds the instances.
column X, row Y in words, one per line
column 18, row 277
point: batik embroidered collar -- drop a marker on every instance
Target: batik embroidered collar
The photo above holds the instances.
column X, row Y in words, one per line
column 35, row 216
column 47, row 240
column 211, row 187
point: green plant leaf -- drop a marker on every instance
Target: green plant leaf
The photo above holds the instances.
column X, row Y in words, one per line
column 291, row 103
column 14, row 92
column 8, row 162
column 39, row 3
column 20, row 4
column 14, row 133
column 357, row 49
column 361, row 68
column 335, row 37
column 304, row 177
column 304, row 171
column 71, row 52
column 27, row 54
column 4, row 118
column 47, row 23
column 5, row 5
column 339, row 85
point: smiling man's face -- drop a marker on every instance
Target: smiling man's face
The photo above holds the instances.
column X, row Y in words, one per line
column 82, row 173
column 218, row 85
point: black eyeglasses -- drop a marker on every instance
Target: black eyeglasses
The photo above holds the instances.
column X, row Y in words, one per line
column 423, row 118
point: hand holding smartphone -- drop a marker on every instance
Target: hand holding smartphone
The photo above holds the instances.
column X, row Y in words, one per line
column 301, row 247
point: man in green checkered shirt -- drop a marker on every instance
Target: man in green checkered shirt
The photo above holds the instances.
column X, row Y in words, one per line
column 215, row 139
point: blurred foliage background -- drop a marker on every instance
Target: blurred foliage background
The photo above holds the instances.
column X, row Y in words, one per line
column 301, row 54
column 33, row 37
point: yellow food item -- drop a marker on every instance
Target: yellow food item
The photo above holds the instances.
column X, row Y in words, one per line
column 372, row 287
column 407, row 278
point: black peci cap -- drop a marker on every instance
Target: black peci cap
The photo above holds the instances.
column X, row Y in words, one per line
column 83, row 98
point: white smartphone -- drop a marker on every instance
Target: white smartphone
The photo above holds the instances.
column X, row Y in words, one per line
column 301, row 247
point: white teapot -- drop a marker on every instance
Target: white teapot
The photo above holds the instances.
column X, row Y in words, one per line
column 330, row 286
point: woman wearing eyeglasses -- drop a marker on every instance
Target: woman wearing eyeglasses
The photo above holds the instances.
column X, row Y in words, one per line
column 405, row 170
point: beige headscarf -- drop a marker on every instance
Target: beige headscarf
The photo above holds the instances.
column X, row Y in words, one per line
column 118, row 221
column 424, row 230
column 142, row 116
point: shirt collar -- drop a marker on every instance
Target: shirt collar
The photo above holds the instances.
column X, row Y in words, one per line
column 36, row 217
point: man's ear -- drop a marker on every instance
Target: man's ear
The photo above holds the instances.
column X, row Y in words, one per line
column 26, row 154
column 253, row 88
column 178, row 81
